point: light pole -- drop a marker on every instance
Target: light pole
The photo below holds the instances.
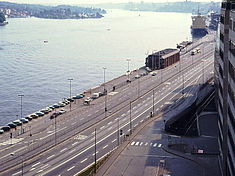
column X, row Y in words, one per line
column 128, row 67
column 22, row 163
column 203, row 71
column 105, row 93
column 95, row 151
column 118, row 132
column 70, row 87
column 130, row 120
column 21, row 105
column 138, row 84
column 153, row 101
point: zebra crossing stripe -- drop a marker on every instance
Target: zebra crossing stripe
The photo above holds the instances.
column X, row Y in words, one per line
column 159, row 145
column 155, row 145
column 137, row 143
column 141, row 143
column 133, row 143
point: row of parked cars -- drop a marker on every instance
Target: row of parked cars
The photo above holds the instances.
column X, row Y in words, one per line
column 40, row 113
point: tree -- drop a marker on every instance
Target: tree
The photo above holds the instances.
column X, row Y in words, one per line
column 2, row 17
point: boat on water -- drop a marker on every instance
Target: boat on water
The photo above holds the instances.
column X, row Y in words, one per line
column 4, row 23
column 198, row 28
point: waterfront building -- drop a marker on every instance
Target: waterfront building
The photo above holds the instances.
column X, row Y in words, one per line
column 225, row 87
column 162, row 59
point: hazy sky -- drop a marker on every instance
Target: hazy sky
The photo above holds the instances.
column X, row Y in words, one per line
column 95, row 1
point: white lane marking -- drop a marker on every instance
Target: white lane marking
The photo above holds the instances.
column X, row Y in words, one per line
column 123, row 115
column 116, row 119
column 114, row 140
column 151, row 144
column 39, row 171
column 123, row 120
column 135, row 125
column 105, row 146
column 83, row 160
column 44, row 166
column 109, row 128
column 63, row 149
column 74, row 143
column 70, row 168
column 72, row 151
column 110, row 123
column 50, row 156
column 137, row 143
column 36, row 164
column 94, row 153
column 16, row 173
column 32, row 169
column 146, row 105
column 141, row 121
column 161, row 106
column 52, row 133
column 159, row 145
column 93, row 132
column 134, row 107
column 146, row 143
column 83, row 118
column 102, row 127
column 133, row 143
column 155, row 145
column 141, row 143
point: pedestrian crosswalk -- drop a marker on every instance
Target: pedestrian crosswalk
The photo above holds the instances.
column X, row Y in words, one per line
column 145, row 144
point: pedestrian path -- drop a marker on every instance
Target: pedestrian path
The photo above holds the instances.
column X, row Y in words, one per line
column 145, row 144
column 11, row 141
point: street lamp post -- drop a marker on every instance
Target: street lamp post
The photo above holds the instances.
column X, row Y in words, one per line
column 128, row 67
column 70, row 88
column 21, row 105
column 95, row 151
column 130, row 120
column 203, row 72
column 105, row 93
column 22, row 163
column 118, row 132
column 153, row 101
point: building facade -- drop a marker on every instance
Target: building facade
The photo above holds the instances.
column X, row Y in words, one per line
column 225, row 87
column 162, row 59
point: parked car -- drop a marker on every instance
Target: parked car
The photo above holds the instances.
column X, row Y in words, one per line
column 128, row 80
column 78, row 96
column 61, row 104
column 66, row 102
column 40, row 114
column 70, row 100
column 12, row 125
column 17, row 122
column 87, row 100
column 56, row 105
column 1, row 131
column 62, row 111
column 28, row 118
column 95, row 95
column 5, row 128
column 137, row 76
column 45, row 111
column 153, row 73
column 23, row 120
column 51, row 107
column 34, row 116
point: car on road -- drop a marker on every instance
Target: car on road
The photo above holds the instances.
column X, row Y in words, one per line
column 17, row 122
column 23, row 120
column 62, row 111
column 61, row 104
column 128, row 80
column 153, row 73
column 137, row 76
column 45, row 111
column 87, row 100
column 39, row 113
column 54, row 115
column 12, row 125
column 5, row 128
column 51, row 107
column 34, row 116
column 1, row 131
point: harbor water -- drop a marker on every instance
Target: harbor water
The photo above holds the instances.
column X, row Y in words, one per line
column 38, row 56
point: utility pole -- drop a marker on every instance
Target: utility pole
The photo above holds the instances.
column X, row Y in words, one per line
column 70, row 86
column 95, row 151
column 118, row 132
column 153, row 101
column 105, row 93
column 128, row 67
column 130, row 120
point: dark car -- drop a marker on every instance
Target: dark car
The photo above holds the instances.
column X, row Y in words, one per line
column 11, row 125
column 70, row 99
column 5, row 128
column 54, row 115
column 29, row 118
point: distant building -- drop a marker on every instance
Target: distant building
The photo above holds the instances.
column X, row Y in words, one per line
column 225, row 87
column 162, row 59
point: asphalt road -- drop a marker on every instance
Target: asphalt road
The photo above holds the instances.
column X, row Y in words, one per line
column 71, row 149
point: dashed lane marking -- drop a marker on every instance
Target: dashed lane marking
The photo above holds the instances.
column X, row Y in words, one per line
column 74, row 143
column 133, row 143
column 72, row 151
column 50, row 156
column 159, row 145
column 70, row 168
column 114, row 140
column 36, row 164
column 83, row 160
column 16, row 173
column 94, row 153
column 63, row 150
column 105, row 146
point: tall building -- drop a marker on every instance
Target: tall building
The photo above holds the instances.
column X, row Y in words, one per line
column 225, row 84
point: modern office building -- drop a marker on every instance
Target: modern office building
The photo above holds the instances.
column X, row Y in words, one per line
column 225, row 84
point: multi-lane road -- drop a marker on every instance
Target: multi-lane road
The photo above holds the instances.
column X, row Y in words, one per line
column 66, row 145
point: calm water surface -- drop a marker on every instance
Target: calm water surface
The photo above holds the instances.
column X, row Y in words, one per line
column 76, row 49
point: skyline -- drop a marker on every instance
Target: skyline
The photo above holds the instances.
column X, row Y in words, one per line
column 77, row 2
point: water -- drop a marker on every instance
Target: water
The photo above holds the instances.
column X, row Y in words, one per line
column 76, row 49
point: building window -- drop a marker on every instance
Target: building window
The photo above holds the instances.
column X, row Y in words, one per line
column 222, row 19
column 221, row 37
column 231, row 24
